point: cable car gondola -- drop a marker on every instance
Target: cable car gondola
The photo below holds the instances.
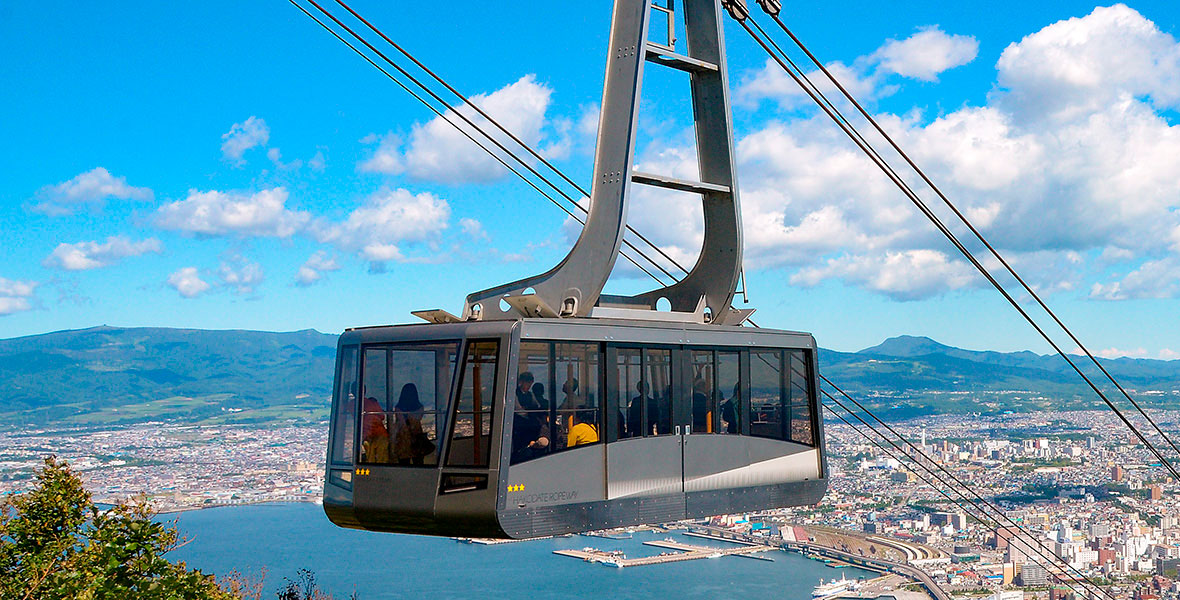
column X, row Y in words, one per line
column 548, row 407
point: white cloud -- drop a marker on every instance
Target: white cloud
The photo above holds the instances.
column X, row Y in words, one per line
column 241, row 275
column 92, row 188
column 92, row 255
column 1081, row 65
column 1163, row 354
column 188, row 282
column 923, row 56
column 1153, row 279
column 437, row 151
column 243, row 136
column 474, row 229
column 1048, row 173
column 388, row 219
column 772, row 83
column 263, row 214
column 908, row 275
column 313, row 270
column 16, row 296
column 926, row 54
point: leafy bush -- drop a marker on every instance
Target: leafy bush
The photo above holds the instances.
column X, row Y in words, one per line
column 56, row 544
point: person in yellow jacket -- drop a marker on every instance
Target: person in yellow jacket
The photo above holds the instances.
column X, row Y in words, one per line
column 584, row 431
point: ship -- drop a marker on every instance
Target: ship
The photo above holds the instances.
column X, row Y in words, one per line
column 834, row 588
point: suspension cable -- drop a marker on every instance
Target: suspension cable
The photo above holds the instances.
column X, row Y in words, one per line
column 975, row 231
column 917, row 201
column 509, row 133
column 979, row 501
column 445, row 116
column 579, row 188
column 985, row 520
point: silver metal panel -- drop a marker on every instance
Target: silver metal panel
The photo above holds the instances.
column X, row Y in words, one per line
column 711, row 463
column 661, row 333
column 644, row 467
column 682, row 185
column 577, row 475
column 663, row 56
column 707, row 454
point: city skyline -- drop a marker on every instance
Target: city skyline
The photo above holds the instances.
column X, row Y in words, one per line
column 235, row 167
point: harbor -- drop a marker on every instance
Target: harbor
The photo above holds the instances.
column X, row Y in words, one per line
column 674, row 552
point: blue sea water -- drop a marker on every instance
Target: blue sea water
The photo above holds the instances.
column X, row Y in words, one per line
column 283, row 538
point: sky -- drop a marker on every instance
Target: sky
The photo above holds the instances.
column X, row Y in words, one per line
column 229, row 165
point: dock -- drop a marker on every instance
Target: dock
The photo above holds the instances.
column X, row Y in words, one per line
column 679, row 552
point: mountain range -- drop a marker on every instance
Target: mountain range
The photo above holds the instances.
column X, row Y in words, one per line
column 108, row 375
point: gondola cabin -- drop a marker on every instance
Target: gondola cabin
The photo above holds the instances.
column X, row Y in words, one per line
column 549, row 407
column 545, row 426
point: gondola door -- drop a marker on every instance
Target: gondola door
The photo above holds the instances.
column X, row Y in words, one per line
column 645, row 425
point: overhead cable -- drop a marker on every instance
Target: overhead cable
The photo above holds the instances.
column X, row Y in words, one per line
column 493, row 121
column 445, row 116
column 954, row 483
column 975, row 231
column 829, row 109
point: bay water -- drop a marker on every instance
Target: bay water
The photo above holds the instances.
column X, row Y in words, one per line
column 280, row 539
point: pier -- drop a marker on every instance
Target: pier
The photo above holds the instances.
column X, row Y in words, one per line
column 681, row 552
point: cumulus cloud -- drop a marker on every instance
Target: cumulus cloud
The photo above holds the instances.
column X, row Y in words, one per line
column 240, row 275
column 1046, row 171
column 388, row 219
column 1114, row 352
column 772, row 83
column 910, row 275
column 214, row 213
column 313, row 269
column 926, row 54
column 16, row 296
column 188, row 282
column 437, row 151
column 243, row 136
column 474, row 229
column 83, row 256
column 92, row 188
column 1083, row 64
column 1153, row 279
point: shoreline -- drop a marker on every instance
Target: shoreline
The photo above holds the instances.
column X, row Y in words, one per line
column 185, row 509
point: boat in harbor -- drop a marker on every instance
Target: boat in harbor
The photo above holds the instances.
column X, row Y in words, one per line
column 834, row 588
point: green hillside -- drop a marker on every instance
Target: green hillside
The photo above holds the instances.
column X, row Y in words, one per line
column 108, row 375
column 909, row 376
column 111, row 375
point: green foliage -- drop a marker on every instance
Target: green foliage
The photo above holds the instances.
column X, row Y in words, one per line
column 56, row 544
column 304, row 588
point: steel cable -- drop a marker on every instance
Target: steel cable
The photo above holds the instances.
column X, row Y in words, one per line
column 979, row 502
column 978, row 235
column 445, row 117
column 511, row 135
column 920, row 204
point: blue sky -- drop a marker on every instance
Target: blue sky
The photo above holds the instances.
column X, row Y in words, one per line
column 230, row 165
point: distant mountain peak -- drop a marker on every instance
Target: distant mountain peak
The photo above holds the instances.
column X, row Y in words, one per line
column 908, row 345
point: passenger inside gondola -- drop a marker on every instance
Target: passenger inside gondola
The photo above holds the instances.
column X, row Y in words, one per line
column 584, row 430
column 530, row 430
column 729, row 410
column 410, row 443
column 700, row 406
column 374, row 435
column 635, row 410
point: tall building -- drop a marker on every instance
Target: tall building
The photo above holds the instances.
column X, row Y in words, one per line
column 1032, row 575
column 1156, row 491
column 1117, row 473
